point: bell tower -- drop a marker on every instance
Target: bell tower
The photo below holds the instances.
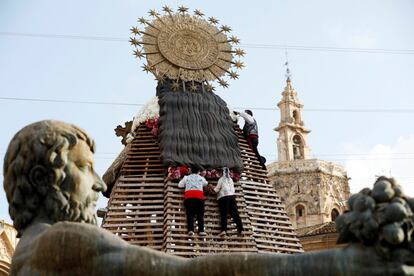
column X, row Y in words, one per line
column 292, row 141
column 314, row 191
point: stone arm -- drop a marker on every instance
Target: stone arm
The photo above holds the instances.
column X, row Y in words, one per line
column 80, row 249
column 351, row 261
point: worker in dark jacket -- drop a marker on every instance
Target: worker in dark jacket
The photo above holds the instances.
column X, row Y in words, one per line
column 251, row 133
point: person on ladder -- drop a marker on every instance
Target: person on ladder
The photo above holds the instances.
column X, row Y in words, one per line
column 227, row 202
column 194, row 200
column 251, row 133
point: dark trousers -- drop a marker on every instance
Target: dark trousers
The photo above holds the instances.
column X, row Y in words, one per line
column 194, row 207
column 227, row 204
column 253, row 143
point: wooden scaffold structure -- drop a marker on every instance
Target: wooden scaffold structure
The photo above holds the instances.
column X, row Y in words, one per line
column 186, row 124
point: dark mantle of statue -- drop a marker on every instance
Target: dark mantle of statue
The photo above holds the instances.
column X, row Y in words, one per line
column 52, row 188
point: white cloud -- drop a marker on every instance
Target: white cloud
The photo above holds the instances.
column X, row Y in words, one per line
column 389, row 160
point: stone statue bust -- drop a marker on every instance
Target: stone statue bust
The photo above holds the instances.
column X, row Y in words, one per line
column 52, row 188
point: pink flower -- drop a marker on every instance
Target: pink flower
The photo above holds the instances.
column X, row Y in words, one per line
column 177, row 173
column 208, row 174
column 173, row 173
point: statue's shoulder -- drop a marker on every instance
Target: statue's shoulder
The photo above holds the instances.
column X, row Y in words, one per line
column 81, row 233
column 68, row 230
column 79, row 240
column 76, row 239
column 73, row 227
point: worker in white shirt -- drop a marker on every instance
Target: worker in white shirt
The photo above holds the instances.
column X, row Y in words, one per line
column 227, row 202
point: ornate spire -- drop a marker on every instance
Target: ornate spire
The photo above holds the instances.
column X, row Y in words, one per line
column 292, row 141
column 288, row 73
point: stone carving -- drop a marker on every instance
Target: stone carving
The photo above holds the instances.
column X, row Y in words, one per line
column 123, row 131
column 323, row 187
column 8, row 242
column 52, row 189
column 282, row 149
column 4, row 254
column 48, row 174
column 382, row 218
column 309, row 165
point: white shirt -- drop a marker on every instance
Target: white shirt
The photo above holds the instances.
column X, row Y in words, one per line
column 193, row 182
column 225, row 187
column 249, row 119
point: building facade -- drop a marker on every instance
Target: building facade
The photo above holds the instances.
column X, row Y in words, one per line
column 8, row 242
column 314, row 191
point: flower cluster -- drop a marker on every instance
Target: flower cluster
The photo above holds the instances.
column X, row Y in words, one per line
column 211, row 174
column 176, row 173
column 153, row 124
column 150, row 110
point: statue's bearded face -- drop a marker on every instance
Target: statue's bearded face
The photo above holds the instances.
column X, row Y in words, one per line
column 79, row 191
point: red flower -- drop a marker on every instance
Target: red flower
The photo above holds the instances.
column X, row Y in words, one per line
column 149, row 123
column 236, row 176
column 153, row 123
column 183, row 170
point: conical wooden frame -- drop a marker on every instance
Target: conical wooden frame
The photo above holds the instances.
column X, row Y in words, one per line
column 147, row 209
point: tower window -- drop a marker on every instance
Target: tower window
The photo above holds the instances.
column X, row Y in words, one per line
column 334, row 214
column 296, row 117
column 297, row 147
column 300, row 211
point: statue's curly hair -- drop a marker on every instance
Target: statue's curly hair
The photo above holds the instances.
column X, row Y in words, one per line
column 38, row 153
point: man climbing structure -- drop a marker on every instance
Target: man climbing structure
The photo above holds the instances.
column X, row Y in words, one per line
column 251, row 133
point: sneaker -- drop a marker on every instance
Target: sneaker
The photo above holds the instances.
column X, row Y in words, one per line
column 222, row 234
column 190, row 233
column 202, row 233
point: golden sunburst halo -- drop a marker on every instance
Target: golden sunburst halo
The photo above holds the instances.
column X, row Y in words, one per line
column 186, row 47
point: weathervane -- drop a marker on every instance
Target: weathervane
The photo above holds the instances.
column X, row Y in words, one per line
column 185, row 47
column 288, row 74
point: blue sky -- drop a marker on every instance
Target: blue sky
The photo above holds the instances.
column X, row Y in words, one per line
column 106, row 71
